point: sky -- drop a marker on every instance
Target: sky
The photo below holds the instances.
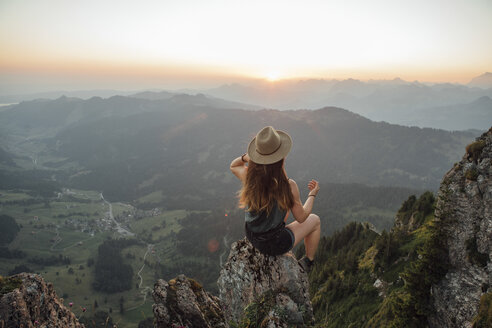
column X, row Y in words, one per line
column 119, row 44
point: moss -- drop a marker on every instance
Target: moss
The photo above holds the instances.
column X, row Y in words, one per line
column 8, row 284
column 475, row 149
column 367, row 261
column 471, row 174
column 256, row 313
column 195, row 285
column 484, row 316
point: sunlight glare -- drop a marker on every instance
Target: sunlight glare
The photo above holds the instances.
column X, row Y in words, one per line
column 273, row 76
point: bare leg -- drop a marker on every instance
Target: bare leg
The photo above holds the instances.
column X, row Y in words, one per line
column 309, row 231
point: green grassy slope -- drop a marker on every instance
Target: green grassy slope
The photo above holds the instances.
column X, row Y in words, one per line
column 362, row 279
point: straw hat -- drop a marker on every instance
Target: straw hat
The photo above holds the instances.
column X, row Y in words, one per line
column 269, row 146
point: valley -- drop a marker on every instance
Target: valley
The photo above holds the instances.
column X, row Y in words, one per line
column 72, row 226
column 110, row 195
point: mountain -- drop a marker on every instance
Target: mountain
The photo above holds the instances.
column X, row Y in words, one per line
column 84, row 94
column 432, row 269
column 482, row 81
column 115, row 144
column 194, row 100
column 395, row 101
column 474, row 115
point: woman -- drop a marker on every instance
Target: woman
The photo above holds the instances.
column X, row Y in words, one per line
column 268, row 196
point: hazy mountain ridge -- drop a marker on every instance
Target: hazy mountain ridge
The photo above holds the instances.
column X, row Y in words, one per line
column 482, row 81
column 449, row 106
column 393, row 101
column 121, row 141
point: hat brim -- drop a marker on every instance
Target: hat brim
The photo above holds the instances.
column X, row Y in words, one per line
column 281, row 152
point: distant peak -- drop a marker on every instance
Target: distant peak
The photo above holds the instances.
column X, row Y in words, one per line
column 482, row 81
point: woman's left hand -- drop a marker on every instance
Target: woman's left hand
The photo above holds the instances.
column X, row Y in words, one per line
column 313, row 187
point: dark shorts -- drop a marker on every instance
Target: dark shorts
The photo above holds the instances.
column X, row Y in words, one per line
column 275, row 242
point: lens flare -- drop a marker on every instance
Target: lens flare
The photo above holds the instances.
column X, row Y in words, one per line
column 213, row 245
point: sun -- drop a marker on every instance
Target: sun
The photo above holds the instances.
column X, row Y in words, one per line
column 272, row 76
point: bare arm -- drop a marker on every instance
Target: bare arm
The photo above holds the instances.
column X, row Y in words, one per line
column 299, row 211
column 238, row 167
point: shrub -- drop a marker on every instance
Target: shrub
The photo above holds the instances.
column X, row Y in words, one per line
column 475, row 149
column 8, row 284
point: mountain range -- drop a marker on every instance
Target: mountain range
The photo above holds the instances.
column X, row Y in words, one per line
column 115, row 144
column 440, row 105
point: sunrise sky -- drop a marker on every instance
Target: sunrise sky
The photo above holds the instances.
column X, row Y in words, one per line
column 60, row 44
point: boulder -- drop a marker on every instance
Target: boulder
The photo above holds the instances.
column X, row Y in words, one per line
column 273, row 290
column 182, row 302
column 27, row 301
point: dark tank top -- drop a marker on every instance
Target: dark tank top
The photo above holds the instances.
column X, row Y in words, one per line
column 260, row 222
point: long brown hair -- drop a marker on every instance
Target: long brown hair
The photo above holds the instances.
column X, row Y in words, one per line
column 265, row 183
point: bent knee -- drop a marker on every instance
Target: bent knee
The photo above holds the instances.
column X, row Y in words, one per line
column 315, row 219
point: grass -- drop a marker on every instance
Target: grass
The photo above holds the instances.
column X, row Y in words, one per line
column 152, row 198
column 6, row 196
column 153, row 225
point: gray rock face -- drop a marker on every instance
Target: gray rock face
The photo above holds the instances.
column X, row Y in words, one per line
column 34, row 304
column 182, row 302
column 465, row 204
column 276, row 285
column 270, row 290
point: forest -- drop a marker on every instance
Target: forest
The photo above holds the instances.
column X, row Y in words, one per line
column 111, row 273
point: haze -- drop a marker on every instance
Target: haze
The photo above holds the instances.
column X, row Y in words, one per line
column 48, row 45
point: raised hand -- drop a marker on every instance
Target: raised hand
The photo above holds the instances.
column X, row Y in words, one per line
column 313, row 187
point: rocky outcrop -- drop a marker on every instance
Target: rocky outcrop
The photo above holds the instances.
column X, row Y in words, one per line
column 464, row 208
column 182, row 302
column 255, row 290
column 272, row 289
column 28, row 301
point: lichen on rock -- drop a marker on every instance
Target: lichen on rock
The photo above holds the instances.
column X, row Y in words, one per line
column 183, row 302
column 464, row 207
column 255, row 291
column 277, row 283
column 33, row 303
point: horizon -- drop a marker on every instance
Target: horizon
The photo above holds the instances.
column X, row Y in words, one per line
column 272, row 83
column 189, row 44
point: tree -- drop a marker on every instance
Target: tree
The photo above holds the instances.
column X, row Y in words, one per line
column 9, row 229
column 122, row 302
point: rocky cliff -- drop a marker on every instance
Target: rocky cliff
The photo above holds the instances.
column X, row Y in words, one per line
column 28, row 301
column 277, row 284
column 255, row 290
column 464, row 208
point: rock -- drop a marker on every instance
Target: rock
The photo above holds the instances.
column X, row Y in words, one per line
column 271, row 290
column 465, row 205
column 183, row 302
column 276, row 287
column 31, row 302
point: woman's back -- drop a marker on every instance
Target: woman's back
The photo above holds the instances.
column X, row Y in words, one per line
column 262, row 221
